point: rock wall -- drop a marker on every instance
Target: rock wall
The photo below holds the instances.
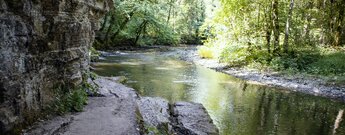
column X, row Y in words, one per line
column 42, row 43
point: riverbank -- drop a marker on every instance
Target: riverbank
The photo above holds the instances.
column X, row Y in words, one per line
column 119, row 110
column 299, row 83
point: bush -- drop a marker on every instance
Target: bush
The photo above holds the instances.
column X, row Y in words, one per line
column 205, row 52
column 297, row 61
column 70, row 100
column 329, row 64
column 312, row 62
column 77, row 99
column 235, row 55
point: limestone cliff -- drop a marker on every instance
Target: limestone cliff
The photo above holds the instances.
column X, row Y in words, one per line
column 42, row 43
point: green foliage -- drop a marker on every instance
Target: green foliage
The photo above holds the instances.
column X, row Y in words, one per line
column 70, row 100
column 159, row 22
column 315, row 62
column 296, row 62
column 281, row 35
column 155, row 131
column 234, row 55
column 73, row 99
column 93, row 75
column 91, row 89
column 329, row 64
column 205, row 52
column 94, row 52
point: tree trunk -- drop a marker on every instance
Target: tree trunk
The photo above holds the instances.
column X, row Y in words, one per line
column 309, row 17
column 268, row 31
column 324, row 30
column 169, row 13
column 268, row 40
column 123, row 24
column 331, row 23
column 339, row 27
column 275, row 22
column 112, row 24
column 139, row 32
column 104, row 22
column 287, row 28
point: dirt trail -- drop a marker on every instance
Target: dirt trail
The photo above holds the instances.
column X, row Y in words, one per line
column 112, row 114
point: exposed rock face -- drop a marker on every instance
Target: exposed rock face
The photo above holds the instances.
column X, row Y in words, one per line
column 42, row 43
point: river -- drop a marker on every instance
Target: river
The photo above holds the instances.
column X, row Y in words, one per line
column 236, row 106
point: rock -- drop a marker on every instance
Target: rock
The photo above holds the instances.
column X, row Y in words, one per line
column 192, row 119
column 118, row 79
column 42, row 44
column 108, row 86
column 120, row 111
column 50, row 127
column 105, row 116
column 155, row 113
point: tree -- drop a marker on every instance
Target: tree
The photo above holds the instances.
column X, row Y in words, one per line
column 275, row 25
column 137, row 22
column 287, row 28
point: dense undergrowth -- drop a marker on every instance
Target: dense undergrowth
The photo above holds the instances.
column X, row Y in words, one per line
column 325, row 62
column 293, row 37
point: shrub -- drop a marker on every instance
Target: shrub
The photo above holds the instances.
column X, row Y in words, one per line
column 332, row 63
column 70, row 100
column 297, row 61
column 235, row 55
column 205, row 52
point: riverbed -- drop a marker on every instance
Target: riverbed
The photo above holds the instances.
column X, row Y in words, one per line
column 235, row 105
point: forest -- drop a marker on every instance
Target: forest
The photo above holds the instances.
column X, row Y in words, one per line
column 305, row 36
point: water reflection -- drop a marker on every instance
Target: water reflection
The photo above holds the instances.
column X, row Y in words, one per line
column 236, row 106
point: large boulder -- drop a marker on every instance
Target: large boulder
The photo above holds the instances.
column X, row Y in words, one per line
column 181, row 118
column 192, row 119
column 155, row 114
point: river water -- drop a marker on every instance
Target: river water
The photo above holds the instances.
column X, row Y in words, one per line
column 236, row 106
